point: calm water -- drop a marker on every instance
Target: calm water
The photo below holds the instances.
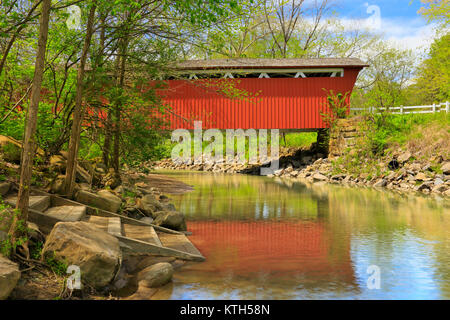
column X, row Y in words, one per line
column 268, row 239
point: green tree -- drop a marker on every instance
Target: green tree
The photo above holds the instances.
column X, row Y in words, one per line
column 433, row 81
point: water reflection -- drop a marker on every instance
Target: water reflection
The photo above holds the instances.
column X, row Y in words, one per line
column 273, row 239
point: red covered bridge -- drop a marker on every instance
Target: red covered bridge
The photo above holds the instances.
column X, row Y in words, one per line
column 286, row 94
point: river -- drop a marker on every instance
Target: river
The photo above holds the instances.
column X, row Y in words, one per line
column 266, row 238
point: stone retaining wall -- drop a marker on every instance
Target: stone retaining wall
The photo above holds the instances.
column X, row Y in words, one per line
column 342, row 136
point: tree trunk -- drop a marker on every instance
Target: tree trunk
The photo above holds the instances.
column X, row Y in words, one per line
column 107, row 142
column 78, row 111
column 109, row 120
column 117, row 111
column 29, row 148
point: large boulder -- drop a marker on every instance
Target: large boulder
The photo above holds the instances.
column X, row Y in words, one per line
column 446, row 168
column 58, row 163
column 319, row 177
column 148, row 204
column 96, row 252
column 57, row 185
column 9, row 275
column 404, row 157
column 172, row 220
column 82, row 175
column 156, row 275
column 104, row 200
column 4, row 188
column 10, row 148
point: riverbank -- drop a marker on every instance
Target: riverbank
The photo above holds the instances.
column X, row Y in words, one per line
column 137, row 276
column 137, row 195
column 406, row 154
column 401, row 171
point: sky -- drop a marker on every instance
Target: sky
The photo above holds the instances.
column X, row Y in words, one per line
column 397, row 20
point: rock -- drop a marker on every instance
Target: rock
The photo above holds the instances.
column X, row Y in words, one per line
column 120, row 190
column 156, row 275
column 319, row 177
column 34, row 232
column 404, row 186
column 421, row 177
column 169, row 207
column 4, row 188
column 9, row 276
column 438, row 181
column 289, row 169
column 111, row 180
column 84, row 186
column 294, row 173
column 148, row 220
column 11, row 149
column 104, row 200
column 391, row 176
column 57, row 185
column 149, row 204
column 380, row 183
column 172, row 220
column 338, row 176
column 278, row 172
column 446, row 193
column 82, row 175
column 318, row 161
column 57, row 162
column 415, row 167
column 424, row 186
column 446, row 168
column 404, row 157
column 439, row 188
column 95, row 251
column 152, row 260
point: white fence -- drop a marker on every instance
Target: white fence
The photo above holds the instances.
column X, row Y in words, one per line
column 434, row 108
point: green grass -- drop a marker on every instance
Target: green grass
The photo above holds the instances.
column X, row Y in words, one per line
column 301, row 139
column 294, row 140
column 424, row 135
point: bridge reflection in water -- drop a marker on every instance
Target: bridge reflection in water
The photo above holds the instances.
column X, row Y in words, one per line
column 269, row 239
column 272, row 247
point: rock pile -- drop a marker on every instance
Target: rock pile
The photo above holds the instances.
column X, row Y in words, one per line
column 290, row 156
column 400, row 171
column 407, row 174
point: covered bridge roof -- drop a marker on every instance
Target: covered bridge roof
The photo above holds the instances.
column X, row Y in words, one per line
column 247, row 63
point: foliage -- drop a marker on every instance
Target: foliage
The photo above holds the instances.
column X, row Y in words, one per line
column 337, row 107
column 436, row 10
column 384, row 84
column 36, row 250
column 7, row 214
column 58, row 266
column 433, row 82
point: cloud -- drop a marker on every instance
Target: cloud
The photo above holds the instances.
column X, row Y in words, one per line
column 406, row 33
column 409, row 33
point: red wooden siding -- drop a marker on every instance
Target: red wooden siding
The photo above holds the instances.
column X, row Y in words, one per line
column 283, row 103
